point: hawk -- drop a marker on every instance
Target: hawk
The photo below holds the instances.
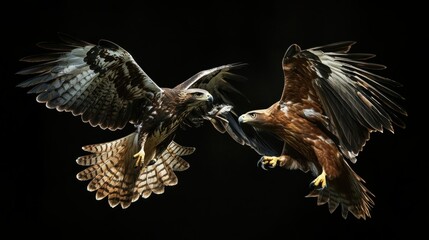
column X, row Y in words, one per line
column 330, row 104
column 104, row 85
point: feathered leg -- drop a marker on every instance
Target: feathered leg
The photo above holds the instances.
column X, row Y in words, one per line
column 337, row 184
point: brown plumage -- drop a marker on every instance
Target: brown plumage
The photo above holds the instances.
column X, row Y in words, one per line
column 329, row 106
column 103, row 85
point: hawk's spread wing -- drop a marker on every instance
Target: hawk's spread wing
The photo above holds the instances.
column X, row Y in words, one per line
column 99, row 82
column 355, row 100
column 217, row 82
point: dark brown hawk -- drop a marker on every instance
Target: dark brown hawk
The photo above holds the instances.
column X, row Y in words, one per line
column 105, row 86
column 330, row 104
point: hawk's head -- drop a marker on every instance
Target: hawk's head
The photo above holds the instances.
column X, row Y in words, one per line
column 195, row 97
column 256, row 118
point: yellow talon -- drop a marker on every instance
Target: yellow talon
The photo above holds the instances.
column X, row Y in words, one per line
column 270, row 161
column 321, row 179
column 140, row 157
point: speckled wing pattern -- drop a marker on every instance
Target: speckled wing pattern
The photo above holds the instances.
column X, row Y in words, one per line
column 98, row 82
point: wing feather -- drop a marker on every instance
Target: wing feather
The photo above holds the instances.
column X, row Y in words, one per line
column 356, row 101
column 99, row 82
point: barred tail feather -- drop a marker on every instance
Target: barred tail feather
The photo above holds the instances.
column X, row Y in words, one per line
column 348, row 191
column 155, row 177
column 111, row 169
column 113, row 174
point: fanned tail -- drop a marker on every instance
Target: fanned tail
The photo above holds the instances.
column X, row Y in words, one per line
column 348, row 191
column 112, row 169
column 114, row 174
column 161, row 173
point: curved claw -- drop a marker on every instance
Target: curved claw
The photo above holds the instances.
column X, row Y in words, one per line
column 269, row 161
column 261, row 164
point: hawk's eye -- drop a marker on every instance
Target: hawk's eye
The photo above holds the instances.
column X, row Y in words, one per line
column 198, row 94
column 252, row 115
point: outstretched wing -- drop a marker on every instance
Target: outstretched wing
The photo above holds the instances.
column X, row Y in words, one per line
column 217, row 81
column 98, row 82
column 339, row 85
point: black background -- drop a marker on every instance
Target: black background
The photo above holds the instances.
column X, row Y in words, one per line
column 223, row 194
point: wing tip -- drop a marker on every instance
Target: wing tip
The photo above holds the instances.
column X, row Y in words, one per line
column 237, row 65
column 109, row 44
column 292, row 50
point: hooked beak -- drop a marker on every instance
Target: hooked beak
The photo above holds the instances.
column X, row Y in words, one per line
column 242, row 119
column 209, row 98
column 206, row 97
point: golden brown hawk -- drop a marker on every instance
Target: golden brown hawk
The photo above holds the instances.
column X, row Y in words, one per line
column 105, row 87
column 330, row 104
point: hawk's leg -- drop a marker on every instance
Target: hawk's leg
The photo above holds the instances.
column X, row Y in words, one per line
column 140, row 155
column 320, row 180
column 272, row 161
column 329, row 162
